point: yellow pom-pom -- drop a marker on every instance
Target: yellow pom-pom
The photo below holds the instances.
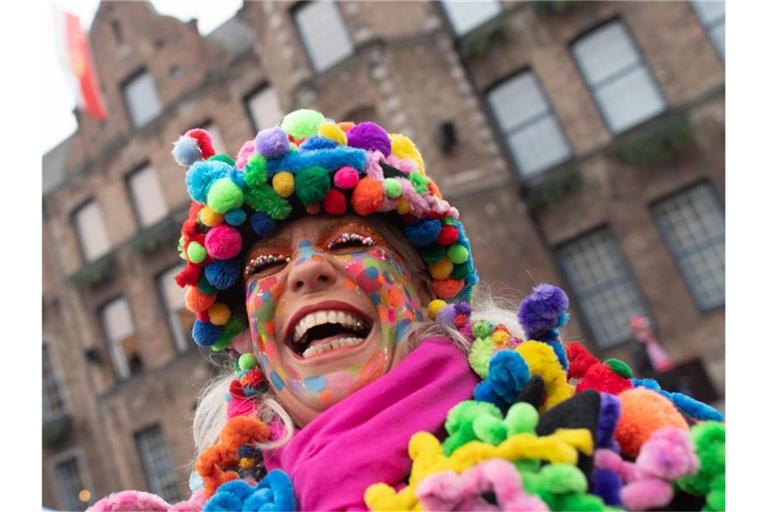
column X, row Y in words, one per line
column 500, row 338
column 283, row 183
column 334, row 132
column 210, row 218
column 247, row 463
column 403, row 147
column 435, row 306
column 219, row 314
column 442, row 269
column 402, row 206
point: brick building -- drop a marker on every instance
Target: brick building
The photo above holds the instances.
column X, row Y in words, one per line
column 583, row 143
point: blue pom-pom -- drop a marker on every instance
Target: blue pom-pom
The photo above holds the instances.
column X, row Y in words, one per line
column 542, row 310
column 186, row 151
column 235, row 217
column 202, row 175
column 263, row 225
column 237, row 176
column 508, row 373
column 206, row 334
column 238, row 488
column 318, row 142
column 223, row 502
column 423, row 232
column 273, row 493
column 607, row 485
column 222, row 274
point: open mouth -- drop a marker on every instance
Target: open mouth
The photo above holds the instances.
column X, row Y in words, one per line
column 324, row 330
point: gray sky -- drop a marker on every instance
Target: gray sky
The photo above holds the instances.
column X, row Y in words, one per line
column 59, row 100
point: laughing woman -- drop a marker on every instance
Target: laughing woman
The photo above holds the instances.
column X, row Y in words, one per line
column 328, row 268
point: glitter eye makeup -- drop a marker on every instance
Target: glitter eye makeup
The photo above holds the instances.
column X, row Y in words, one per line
column 349, row 241
column 265, row 262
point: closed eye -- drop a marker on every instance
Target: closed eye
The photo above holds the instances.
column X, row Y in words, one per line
column 347, row 242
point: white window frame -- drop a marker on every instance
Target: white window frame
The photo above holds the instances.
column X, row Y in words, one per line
column 305, row 17
column 636, row 65
column 145, row 109
column 85, row 475
column 91, row 248
column 181, row 337
column 454, row 11
column 545, row 114
column 157, row 482
column 119, row 359
column 149, row 210
column 263, row 107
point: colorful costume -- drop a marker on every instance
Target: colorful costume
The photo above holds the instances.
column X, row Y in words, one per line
column 519, row 424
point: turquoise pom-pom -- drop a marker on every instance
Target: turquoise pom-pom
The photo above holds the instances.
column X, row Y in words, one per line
column 201, row 176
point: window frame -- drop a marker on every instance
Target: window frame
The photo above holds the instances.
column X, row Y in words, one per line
column 78, row 454
column 80, row 241
column 449, row 21
column 294, row 10
column 55, row 368
column 577, row 298
column 708, row 28
column 122, row 86
column 105, row 335
column 642, row 57
column 187, row 336
column 501, row 135
column 143, row 461
column 665, row 236
column 132, row 196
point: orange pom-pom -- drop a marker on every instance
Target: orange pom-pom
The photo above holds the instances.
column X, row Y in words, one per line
column 197, row 301
column 346, row 125
column 447, row 288
column 368, row 196
column 642, row 413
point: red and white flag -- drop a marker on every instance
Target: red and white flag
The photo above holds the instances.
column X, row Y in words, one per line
column 75, row 53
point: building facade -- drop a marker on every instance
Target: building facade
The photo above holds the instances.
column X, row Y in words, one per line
column 582, row 142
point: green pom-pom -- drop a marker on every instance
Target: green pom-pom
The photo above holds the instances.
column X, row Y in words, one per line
column 458, row 254
column 233, row 327
column 205, row 286
column 480, row 356
column 708, row 439
column 419, row 182
column 256, row 171
column 563, row 479
column 221, row 157
column 482, row 329
column 312, row 184
column 224, row 195
column 462, row 420
column 180, row 247
column 522, row 418
column 246, row 361
column 619, row 367
column 490, row 429
column 196, row 252
column 460, row 271
column 302, row 123
column 392, row 188
column 263, row 198
column 432, row 253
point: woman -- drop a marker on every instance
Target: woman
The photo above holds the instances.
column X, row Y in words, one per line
column 327, row 264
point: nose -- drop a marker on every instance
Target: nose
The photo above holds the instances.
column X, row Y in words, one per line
column 311, row 274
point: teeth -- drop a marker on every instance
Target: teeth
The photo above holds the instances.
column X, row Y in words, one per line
column 331, row 345
column 324, row 317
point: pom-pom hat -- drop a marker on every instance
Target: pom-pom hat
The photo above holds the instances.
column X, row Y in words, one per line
column 308, row 165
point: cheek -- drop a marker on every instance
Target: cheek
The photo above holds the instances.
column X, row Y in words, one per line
column 261, row 300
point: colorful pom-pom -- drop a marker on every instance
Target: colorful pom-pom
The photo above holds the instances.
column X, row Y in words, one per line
column 196, row 252
column 312, row 184
column 205, row 334
column 458, row 254
column 197, row 301
column 346, row 178
column 392, row 188
column 186, row 151
column 235, row 217
column 223, row 242
column 448, row 235
column 262, row 224
column 283, row 184
column 447, row 288
column 403, row 206
column 334, row 132
column 272, row 142
column 435, row 306
column 542, row 309
column 423, row 232
column 302, row 123
column 209, row 217
column 461, row 270
column 219, row 314
column 246, row 361
column 442, row 269
column 367, row 197
column 335, row 202
column 222, row 274
column 224, row 195
column 205, row 286
column 642, row 413
column 371, row 137
column 201, row 176
column 403, row 147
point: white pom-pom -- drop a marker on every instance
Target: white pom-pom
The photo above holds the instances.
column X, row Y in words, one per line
column 186, row 151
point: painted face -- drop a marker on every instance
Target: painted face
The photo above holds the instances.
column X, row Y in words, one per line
column 328, row 301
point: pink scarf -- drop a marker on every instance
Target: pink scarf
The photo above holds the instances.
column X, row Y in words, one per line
column 363, row 439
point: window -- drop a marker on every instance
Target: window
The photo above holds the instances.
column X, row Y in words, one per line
column 604, row 288
column 148, row 200
column 141, row 99
column 180, row 318
column 264, row 109
column 216, row 139
column 118, row 326
column 693, row 226
column 464, row 16
column 70, row 484
column 91, row 231
column 618, row 77
column 528, row 125
column 158, row 463
column 324, row 34
column 712, row 16
column 53, row 401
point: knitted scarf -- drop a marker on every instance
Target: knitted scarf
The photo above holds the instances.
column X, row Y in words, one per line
column 364, row 438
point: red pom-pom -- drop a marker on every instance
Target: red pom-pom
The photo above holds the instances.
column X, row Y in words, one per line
column 368, row 196
column 204, row 141
column 460, row 320
column 579, row 360
column 236, row 389
column 189, row 275
column 253, row 379
column 601, row 377
column 202, row 316
column 448, row 235
column 447, row 288
column 335, row 203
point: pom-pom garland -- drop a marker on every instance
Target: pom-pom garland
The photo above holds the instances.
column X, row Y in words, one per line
column 307, row 165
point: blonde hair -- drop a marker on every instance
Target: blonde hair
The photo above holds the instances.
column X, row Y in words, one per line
column 210, row 415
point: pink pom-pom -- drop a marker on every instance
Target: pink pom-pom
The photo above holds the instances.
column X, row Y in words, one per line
column 239, row 407
column 223, row 242
column 668, row 454
column 346, row 178
column 245, row 153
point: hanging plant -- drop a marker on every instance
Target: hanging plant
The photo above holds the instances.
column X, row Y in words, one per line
column 55, row 430
column 94, row 273
column 479, row 41
column 552, row 188
column 658, row 141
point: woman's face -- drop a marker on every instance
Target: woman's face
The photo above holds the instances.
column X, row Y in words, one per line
column 328, row 300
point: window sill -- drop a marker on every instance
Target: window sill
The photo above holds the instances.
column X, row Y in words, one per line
column 94, row 273
column 659, row 139
column 150, row 239
column 55, row 430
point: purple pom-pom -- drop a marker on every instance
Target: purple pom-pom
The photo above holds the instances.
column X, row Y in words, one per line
column 541, row 310
column 607, row 485
column 371, row 137
column 463, row 308
column 610, row 409
column 272, row 142
column 447, row 315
